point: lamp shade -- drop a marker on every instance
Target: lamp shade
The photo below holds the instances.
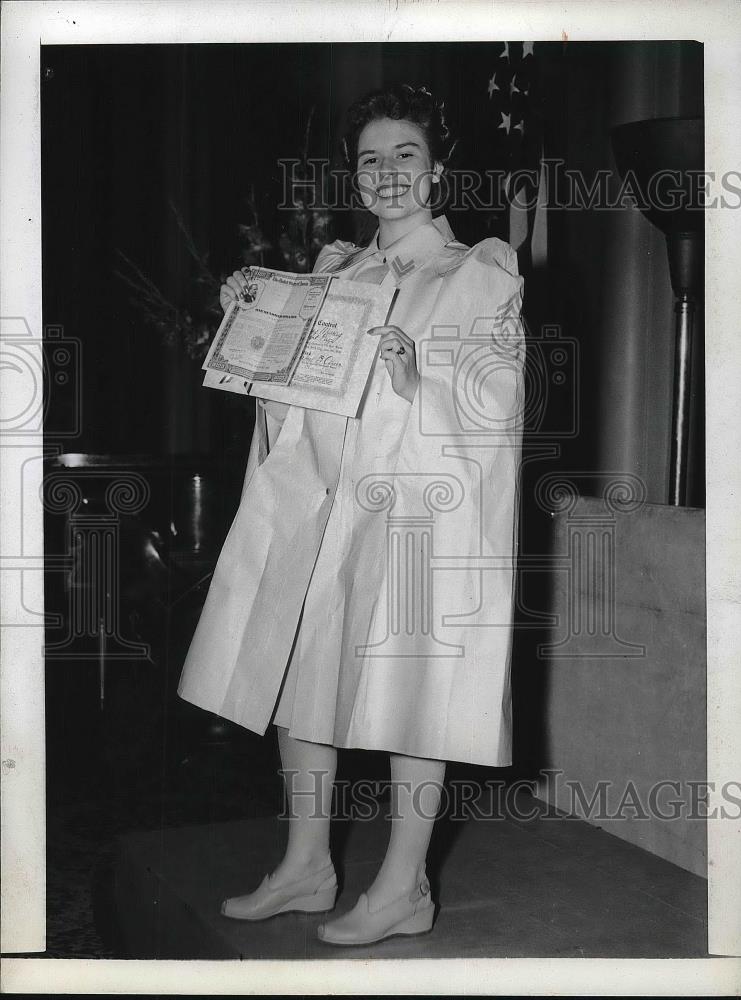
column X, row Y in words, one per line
column 662, row 153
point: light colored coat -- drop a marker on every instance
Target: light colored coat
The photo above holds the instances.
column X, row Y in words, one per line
column 364, row 594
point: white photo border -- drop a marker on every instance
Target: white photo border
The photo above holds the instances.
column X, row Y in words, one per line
column 26, row 25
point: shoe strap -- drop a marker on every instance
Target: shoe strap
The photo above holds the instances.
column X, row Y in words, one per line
column 421, row 890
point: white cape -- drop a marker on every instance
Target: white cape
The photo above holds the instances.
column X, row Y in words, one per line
column 364, row 594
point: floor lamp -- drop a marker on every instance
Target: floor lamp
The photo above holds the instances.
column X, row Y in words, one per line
column 663, row 158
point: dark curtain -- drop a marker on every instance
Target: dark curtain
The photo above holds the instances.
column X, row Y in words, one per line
column 127, row 129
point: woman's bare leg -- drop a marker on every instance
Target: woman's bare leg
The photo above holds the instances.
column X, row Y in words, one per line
column 309, row 772
column 416, row 785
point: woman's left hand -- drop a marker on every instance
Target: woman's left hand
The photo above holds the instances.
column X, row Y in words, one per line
column 399, row 353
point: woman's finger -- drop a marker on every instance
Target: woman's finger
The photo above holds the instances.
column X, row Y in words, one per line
column 234, row 288
column 383, row 331
column 236, row 282
column 394, row 346
column 405, row 346
column 400, row 344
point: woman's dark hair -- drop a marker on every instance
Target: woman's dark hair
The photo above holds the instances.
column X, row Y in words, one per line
column 402, row 103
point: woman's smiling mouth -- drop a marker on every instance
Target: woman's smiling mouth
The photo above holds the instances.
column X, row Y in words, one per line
column 392, row 190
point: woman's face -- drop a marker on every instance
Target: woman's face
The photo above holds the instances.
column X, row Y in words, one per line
column 395, row 169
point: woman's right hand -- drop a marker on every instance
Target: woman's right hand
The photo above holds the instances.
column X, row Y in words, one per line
column 233, row 288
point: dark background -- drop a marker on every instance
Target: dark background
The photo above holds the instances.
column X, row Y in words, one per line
column 127, row 129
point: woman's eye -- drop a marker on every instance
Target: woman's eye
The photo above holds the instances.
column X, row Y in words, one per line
column 368, row 162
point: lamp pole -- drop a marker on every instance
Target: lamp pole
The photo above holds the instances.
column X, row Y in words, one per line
column 672, row 146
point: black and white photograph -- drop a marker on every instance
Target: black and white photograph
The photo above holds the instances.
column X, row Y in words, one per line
column 369, row 415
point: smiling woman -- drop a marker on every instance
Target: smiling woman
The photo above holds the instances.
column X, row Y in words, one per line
column 399, row 141
column 321, row 616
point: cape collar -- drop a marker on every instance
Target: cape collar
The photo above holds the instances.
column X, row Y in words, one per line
column 406, row 254
column 412, row 250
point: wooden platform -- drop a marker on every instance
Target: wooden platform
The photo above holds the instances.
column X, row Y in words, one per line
column 506, row 888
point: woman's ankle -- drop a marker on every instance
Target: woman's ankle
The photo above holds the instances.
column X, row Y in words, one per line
column 392, row 884
column 304, row 863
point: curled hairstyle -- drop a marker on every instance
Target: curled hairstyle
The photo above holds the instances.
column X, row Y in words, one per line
column 402, row 103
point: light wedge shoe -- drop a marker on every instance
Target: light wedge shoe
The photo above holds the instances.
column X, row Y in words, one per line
column 409, row 914
column 315, row 893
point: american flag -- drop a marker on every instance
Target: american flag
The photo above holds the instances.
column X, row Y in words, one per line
column 516, row 123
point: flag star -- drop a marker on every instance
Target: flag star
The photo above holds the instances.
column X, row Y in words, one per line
column 504, row 122
column 505, row 54
column 493, row 85
column 513, row 88
column 528, row 49
column 520, row 126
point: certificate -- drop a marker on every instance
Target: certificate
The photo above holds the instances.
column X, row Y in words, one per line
column 324, row 365
column 262, row 337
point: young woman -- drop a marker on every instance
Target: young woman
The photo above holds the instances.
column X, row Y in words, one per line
column 363, row 597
